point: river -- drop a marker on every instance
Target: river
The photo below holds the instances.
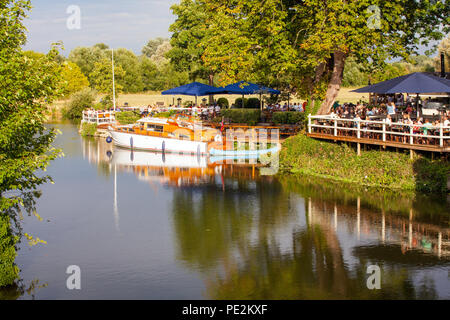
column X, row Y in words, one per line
column 152, row 226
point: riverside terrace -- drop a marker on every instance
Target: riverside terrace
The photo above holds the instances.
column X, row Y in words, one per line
column 385, row 131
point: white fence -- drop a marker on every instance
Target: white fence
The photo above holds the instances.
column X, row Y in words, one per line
column 98, row 117
column 409, row 134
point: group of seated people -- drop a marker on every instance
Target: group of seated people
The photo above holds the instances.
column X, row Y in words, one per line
column 400, row 120
column 299, row 107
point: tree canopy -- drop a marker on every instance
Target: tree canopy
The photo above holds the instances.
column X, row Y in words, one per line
column 28, row 83
column 305, row 44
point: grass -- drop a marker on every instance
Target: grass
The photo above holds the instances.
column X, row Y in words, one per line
column 88, row 129
column 380, row 169
column 146, row 98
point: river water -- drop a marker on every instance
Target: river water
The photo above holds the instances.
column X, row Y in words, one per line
column 152, row 226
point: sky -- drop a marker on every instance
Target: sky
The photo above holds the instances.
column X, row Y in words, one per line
column 117, row 23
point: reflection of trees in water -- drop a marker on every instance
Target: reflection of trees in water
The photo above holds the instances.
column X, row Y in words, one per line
column 232, row 238
column 212, row 225
column 427, row 208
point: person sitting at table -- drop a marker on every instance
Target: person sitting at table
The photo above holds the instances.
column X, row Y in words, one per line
column 391, row 109
column 446, row 122
column 409, row 108
column 388, row 120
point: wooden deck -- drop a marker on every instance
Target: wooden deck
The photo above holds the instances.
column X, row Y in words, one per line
column 418, row 147
column 396, row 135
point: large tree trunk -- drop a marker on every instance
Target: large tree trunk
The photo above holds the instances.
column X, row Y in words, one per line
column 337, row 75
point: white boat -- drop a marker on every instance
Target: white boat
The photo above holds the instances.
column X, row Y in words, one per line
column 174, row 135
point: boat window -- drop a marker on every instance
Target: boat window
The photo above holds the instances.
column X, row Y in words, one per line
column 182, row 136
column 156, row 128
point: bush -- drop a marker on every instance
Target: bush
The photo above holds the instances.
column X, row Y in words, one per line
column 127, row 117
column 79, row 101
column 249, row 117
column 382, row 169
column 238, row 103
column 288, row 117
column 252, row 103
column 223, row 103
column 88, row 129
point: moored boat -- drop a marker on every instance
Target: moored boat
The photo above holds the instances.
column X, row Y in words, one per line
column 178, row 134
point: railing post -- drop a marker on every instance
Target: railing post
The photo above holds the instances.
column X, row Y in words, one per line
column 384, row 130
column 411, row 134
column 358, row 124
column 335, row 127
column 441, row 136
column 309, row 123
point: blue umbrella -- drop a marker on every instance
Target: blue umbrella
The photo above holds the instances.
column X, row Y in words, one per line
column 196, row 89
column 246, row 88
column 419, row 82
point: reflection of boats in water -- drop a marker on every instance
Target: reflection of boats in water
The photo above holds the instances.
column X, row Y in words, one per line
column 123, row 157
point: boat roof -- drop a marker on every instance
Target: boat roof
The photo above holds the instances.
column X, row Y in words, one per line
column 152, row 120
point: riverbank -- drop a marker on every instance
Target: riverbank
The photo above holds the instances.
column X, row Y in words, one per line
column 374, row 168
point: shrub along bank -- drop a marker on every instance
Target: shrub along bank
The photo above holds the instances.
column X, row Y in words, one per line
column 383, row 169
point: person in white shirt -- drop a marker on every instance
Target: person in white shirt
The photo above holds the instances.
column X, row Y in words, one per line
column 446, row 122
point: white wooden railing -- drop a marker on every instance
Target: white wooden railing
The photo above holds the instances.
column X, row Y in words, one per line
column 98, row 117
column 380, row 130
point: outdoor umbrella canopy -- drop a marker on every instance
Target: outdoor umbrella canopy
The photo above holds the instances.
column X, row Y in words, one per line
column 193, row 89
column 419, row 82
column 196, row 89
column 245, row 88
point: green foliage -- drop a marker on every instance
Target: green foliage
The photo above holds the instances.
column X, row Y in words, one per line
column 383, row 169
column 167, row 114
column 288, row 117
column 190, row 34
column 78, row 102
column 88, row 129
column 238, row 103
column 253, row 103
column 74, row 79
column 223, row 102
column 102, row 77
column 305, row 43
column 9, row 272
column 127, row 117
column 245, row 116
column 312, row 107
column 27, row 84
column 150, row 49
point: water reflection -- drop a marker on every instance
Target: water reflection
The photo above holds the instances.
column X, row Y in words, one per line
column 256, row 237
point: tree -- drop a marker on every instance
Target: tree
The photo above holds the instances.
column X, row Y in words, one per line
column 74, row 80
column 150, row 48
column 102, row 79
column 190, row 39
column 149, row 72
column 309, row 42
column 87, row 57
column 25, row 144
column 79, row 101
column 128, row 73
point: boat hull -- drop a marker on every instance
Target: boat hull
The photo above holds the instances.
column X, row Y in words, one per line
column 150, row 143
